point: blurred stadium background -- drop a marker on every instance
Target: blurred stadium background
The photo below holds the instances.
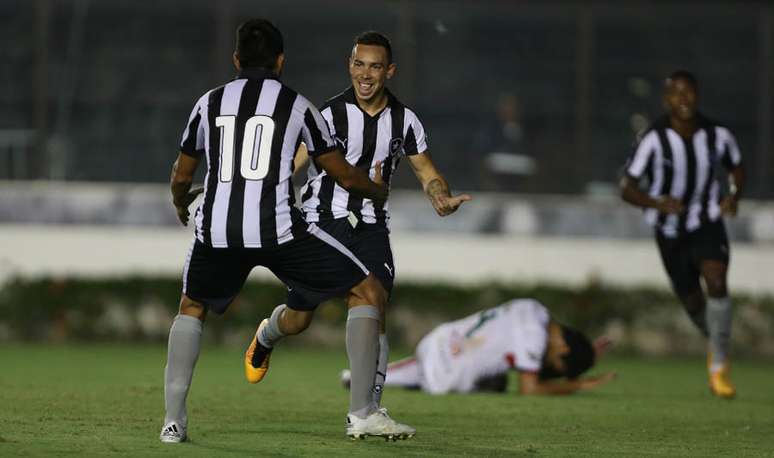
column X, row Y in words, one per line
column 532, row 106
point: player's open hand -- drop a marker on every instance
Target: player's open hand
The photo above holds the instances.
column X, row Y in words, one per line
column 729, row 205
column 185, row 202
column 670, row 205
column 601, row 346
column 446, row 205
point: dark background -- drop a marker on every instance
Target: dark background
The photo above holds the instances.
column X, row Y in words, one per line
column 101, row 90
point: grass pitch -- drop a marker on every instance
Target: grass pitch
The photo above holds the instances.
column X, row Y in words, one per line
column 107, row 400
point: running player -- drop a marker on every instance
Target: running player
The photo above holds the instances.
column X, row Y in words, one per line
column 247, row 131
column 373, row 127
column 476, row 353
column 680, row 157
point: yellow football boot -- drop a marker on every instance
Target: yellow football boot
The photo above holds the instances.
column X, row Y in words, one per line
column 719, row 382
column 257, row 358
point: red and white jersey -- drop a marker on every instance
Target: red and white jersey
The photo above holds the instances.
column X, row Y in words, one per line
column 455, row 355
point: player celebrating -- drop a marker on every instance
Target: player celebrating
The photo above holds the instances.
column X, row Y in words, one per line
column 475, row 354
column 248, row 131
column 373, row 127
column 680, row 156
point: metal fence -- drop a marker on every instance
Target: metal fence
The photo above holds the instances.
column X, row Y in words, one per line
column 526, row 96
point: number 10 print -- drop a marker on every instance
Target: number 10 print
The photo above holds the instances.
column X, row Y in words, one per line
column 256, row 155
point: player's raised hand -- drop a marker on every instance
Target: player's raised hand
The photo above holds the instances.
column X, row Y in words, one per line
column 601, row 346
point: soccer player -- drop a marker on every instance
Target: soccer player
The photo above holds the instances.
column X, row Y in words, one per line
column 373, row 127
column 475, row 353
column 247, row 131
column 680, row 157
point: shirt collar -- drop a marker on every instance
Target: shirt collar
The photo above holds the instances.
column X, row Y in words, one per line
column 349, row 97
column 256, row 73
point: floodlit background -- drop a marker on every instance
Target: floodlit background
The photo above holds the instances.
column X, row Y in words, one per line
column 531, row 106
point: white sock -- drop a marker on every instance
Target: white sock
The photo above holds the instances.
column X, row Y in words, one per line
column 271, row 334
column 381, row 369
column 719, row 327
column 363, row 351
column 182, row 352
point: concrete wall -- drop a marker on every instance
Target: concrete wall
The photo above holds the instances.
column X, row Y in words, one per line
column 107, row 229
column 69, row 250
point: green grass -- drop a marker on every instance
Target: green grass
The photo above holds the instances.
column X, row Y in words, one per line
column 107, row 400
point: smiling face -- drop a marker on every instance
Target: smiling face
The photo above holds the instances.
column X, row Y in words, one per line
column 369, row 70
column 680, row 98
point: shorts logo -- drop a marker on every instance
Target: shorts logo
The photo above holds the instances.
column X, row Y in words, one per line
column 387, row 266
column 395, row 145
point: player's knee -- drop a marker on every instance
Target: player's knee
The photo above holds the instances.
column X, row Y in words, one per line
column 192, row 308
column 368, row 292
column 716, row 285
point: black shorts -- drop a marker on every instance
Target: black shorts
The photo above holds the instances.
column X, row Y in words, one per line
column 369, row 242
column 314, row 267
column 682, row 256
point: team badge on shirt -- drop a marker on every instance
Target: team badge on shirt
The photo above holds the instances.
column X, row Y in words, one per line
column 395, row 145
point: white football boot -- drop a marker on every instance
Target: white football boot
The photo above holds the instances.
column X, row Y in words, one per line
column 379, row 424
column 173, row 433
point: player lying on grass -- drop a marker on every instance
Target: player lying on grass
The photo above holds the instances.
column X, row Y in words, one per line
column 475, row 354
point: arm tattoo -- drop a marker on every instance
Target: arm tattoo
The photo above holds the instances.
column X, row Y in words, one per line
column 437, row 187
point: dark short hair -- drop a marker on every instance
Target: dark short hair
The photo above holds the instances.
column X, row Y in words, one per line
column 578, row 360
column 374, row 38
column 684, row 75
column 581, row 356
column 258, row 44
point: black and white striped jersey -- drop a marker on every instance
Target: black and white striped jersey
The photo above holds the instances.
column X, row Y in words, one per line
column 249, row 130
column 687, row 170
column 386, row 137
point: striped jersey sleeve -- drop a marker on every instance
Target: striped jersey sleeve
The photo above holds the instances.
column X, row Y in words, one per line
column 642, row 157
column 192, row 142
column 315, row 133
column 728, row 150
column 414, row 134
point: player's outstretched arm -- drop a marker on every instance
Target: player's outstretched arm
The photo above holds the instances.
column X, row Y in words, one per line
column 180, row 184
column 435, row 186
column 632, row 194
column 530, row 384
column 352, row 178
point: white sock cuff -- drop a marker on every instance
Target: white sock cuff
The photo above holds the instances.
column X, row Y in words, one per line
column 718, row 303
column 275, row 316
column 187, row 323
column 363, row 311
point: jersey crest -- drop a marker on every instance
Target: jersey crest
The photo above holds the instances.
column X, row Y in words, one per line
column 395, row 146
